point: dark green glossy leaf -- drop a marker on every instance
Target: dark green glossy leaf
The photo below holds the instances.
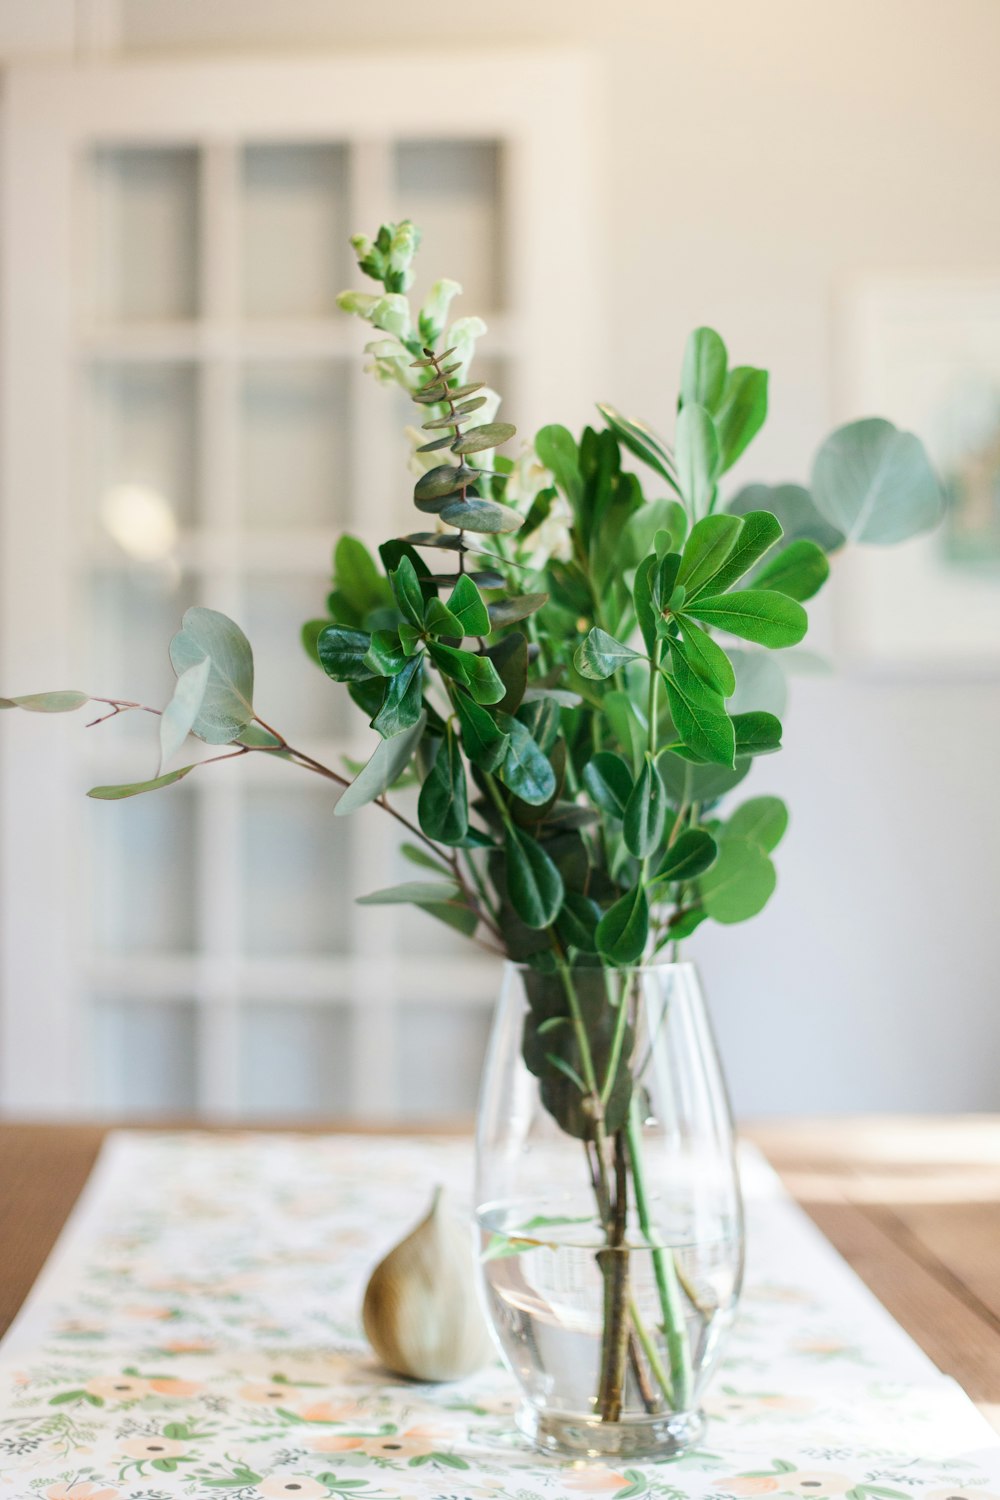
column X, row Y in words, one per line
column 740, row 882
column 385, row 656
column 358, row 579
column 540, row 714
column 741, row 413
column 711, row 541
column 642, row 441
column 134, row 788
column 510, row 658
column 442, row 807
column 645, row 812
column 534, row 885
column 687, row 783
column 409, row 595
column 467, row 606
column 642, row 596
column 700, row 715
column 518, row 607
column 436, row 444
column 600, row 655
column 696, row 444
column 757, row 733
column 483, row 741
column 342, row 653
column 683, row 923
column 477, row 673
column 799, row 570
column 689, row 856
column 403, row 701
column 760, row 532
column 624, row 929
column 761, row 820
column 577, row 922
column 769, row 619
column 525, row 770
column 705, row 657
column 608, row 780
column 386, row 765
column 439, row 620
column 489, row 435
column 485, row 517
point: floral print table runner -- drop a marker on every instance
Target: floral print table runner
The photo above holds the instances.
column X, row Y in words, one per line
column 196, row 1334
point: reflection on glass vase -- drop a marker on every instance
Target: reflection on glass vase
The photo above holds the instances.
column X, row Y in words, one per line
column 609, row 1216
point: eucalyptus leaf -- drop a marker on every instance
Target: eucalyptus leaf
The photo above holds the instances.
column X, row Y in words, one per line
column 58, row 702
column 483, row 516
column 227, row 705
column 414, row 893
column 876, row 483
column 488, row 435
column 516, row 607
column 761, row 820
column 387, row 764
column 135, row 788
column 445, row 479
column 177, row 719
column 794, row 508
column 600, row 655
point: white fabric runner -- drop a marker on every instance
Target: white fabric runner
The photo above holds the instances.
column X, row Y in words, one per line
column 196, row 1333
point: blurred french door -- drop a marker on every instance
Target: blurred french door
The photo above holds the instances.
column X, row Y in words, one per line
column 186, row 420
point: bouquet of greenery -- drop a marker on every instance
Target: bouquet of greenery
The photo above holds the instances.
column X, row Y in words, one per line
column 551, row 654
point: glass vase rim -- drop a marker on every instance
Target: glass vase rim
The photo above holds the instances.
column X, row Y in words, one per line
column 662, row 967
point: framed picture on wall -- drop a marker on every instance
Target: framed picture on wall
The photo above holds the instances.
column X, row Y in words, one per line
column 925, row 352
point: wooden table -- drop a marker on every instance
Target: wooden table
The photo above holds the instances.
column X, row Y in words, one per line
column 912, row 1204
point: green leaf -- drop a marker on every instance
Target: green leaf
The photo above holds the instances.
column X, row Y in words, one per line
column 517, row 607
column 690, row 855
column 623, row 930
column 600, row 655
column 697, row 445
column 705, row 657
column 133, row 789
column 760, row 532
column 488, row 435
column 409, row 595
column 638, row 536
column 739, row 884
column 625, row 724
column 258, row 738
column 642, row 595
column 703, row 373
column 418, row 855
column 386, row 765
column 510, row 659
column 65, row 702
column 770, row 619
column 483, row 516
column 403, row 701
column 556, row 447
column 742, row 412
column 445, row 479
column 227, row 707
column 711, row 541
column 876, row 483
column 761, row 820
column 443, row 805
column 793, row 506
column 177, row 719
column 343, row 653
column 687, row 783
column 358, row 579
column 577, row 923
column 700, row 715
column 645, row 812
column 428, row 893
column 385, row 655
column 534, row 885
column 483, row 741
column 640, row 440
column 439, row 620
column 477, row 673
column 799, row 570
column 466, row 604
column 756, row 733
column 525, row 770
column 609, row 782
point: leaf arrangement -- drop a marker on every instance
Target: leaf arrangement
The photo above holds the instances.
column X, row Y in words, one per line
column 584, row 674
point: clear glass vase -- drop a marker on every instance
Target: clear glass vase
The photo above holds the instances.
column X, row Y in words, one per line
column 609, row 1216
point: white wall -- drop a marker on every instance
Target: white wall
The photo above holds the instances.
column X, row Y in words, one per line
column 759, row 157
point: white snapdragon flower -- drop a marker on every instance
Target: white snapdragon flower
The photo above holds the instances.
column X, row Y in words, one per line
column 434, row 313
column 461, row 337
column 359, row 303
column 390, row 363
column 553, row 538
column 404, row 246
column 391, row 314
column 419, row 463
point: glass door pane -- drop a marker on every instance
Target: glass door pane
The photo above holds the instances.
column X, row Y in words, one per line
column 452, row 190
column 145, row 233
column 295, row 229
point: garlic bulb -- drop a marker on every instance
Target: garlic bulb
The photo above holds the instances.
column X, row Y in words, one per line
column 420, row 1311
